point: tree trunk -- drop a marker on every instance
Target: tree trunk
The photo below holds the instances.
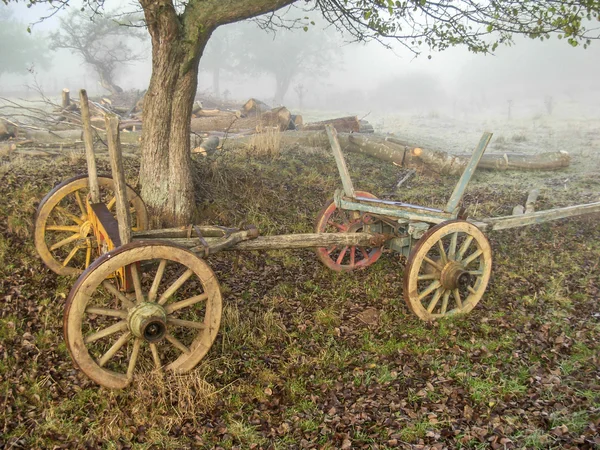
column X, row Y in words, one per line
column 165, row 169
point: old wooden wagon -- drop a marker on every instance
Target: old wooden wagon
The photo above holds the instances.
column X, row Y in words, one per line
column 139, row 288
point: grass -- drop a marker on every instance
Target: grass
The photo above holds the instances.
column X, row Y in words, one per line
column 291, row 349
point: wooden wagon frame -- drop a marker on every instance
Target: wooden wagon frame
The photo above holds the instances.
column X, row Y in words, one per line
column 139, row 287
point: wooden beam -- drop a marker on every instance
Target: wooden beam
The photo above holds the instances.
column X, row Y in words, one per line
column 118, row 175
column 89, row 146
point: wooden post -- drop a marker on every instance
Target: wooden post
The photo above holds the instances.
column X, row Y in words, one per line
column 66, row 98
column 340, row 161
column 459, row 190
column 118, row 174
column 89, row 146
column 531, row 199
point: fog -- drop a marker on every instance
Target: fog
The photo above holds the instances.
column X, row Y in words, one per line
column 328, row 73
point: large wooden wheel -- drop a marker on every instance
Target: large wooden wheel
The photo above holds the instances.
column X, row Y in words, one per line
column 448, row 270
column 63, row 235
column 168, row 322
column 334, row 220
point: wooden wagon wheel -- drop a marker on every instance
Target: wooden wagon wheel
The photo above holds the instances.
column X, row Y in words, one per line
column 63, row 235
column 334, row 220
column 168, row 322
column 448, row 270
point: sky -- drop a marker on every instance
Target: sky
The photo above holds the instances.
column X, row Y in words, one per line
column 369, row 76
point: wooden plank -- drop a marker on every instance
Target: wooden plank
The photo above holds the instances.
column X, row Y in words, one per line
column 118, row 174
column 459, row 190
column 340, row 161
column 505, row 222
column 89, row 146
column 291, row 241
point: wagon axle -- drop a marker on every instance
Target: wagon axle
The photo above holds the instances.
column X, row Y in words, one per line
column 148, row 321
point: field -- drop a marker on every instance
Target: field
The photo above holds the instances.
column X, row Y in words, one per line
column 295, row 364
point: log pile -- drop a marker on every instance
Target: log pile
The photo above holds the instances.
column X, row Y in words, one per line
column 223, row 126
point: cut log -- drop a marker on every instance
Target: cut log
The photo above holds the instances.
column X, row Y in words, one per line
column 208, row 146
column 6, row 148
column 393, row 150
column 6, row 131
column 66, row 98
column 277, row 117
column 365, row 127
column 341, row 124
column 255, row 107
column 298, row 122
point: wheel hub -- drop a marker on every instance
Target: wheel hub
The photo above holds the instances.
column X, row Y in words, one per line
column 454, row 276
column 148, row 321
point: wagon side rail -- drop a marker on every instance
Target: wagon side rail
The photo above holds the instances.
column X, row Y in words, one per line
column 534, row 218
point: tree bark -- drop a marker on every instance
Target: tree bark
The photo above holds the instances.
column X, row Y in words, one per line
column 178, row 41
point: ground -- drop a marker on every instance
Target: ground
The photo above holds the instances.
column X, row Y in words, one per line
column 294, row 366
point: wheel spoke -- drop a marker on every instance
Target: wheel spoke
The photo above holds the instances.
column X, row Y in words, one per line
column 114, row 291
column 176, row 285
column 137, row 285
column 428, row 276
column 65, row 241
column 114, row 349
column 186, row 323
column 69, row 215
column 70, row 255
column 435, row 299
column 68, row 228
column 133, row 358
column 445, row 303
column 339, row 226
column 157, row 279
column 119, row 326
column 111, row 202
column 352, row 256
column 106, row 312
column 471, row 290
column 364, row 252
column 80, row 204
column 471, row 258
column 88, row 254
column 155, row 356
column 464, row 247
column 176, row 343
column 436, row 284
column 457, row 298
column 433, row 263
column 329, row 250
column 452, row 248
column 340, row 258
column 476, row 273
column 442, row 252
column 185, row 303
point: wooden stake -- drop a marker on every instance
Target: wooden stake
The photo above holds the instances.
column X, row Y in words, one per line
column 89, row 146
column 118, row 174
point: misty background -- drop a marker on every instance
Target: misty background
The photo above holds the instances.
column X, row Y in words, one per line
column 319, row 69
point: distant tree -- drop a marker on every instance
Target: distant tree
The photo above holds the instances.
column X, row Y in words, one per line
column 286, row 54
column 221, row 55
column 101, row 41
column 19, row 51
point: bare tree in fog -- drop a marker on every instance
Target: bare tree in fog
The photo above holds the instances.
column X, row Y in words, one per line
column 102, row 43
column 181, row 30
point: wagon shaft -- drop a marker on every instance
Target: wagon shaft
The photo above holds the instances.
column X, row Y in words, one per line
column 289, row 241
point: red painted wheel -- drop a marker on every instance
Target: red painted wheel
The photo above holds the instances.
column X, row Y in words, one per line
column 334, row 220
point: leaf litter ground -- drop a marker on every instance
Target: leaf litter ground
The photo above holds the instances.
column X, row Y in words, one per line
column 308, row 358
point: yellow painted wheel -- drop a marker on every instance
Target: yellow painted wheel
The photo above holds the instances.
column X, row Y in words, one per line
column 63, row 235
column 448, row 270
column 168, row 321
